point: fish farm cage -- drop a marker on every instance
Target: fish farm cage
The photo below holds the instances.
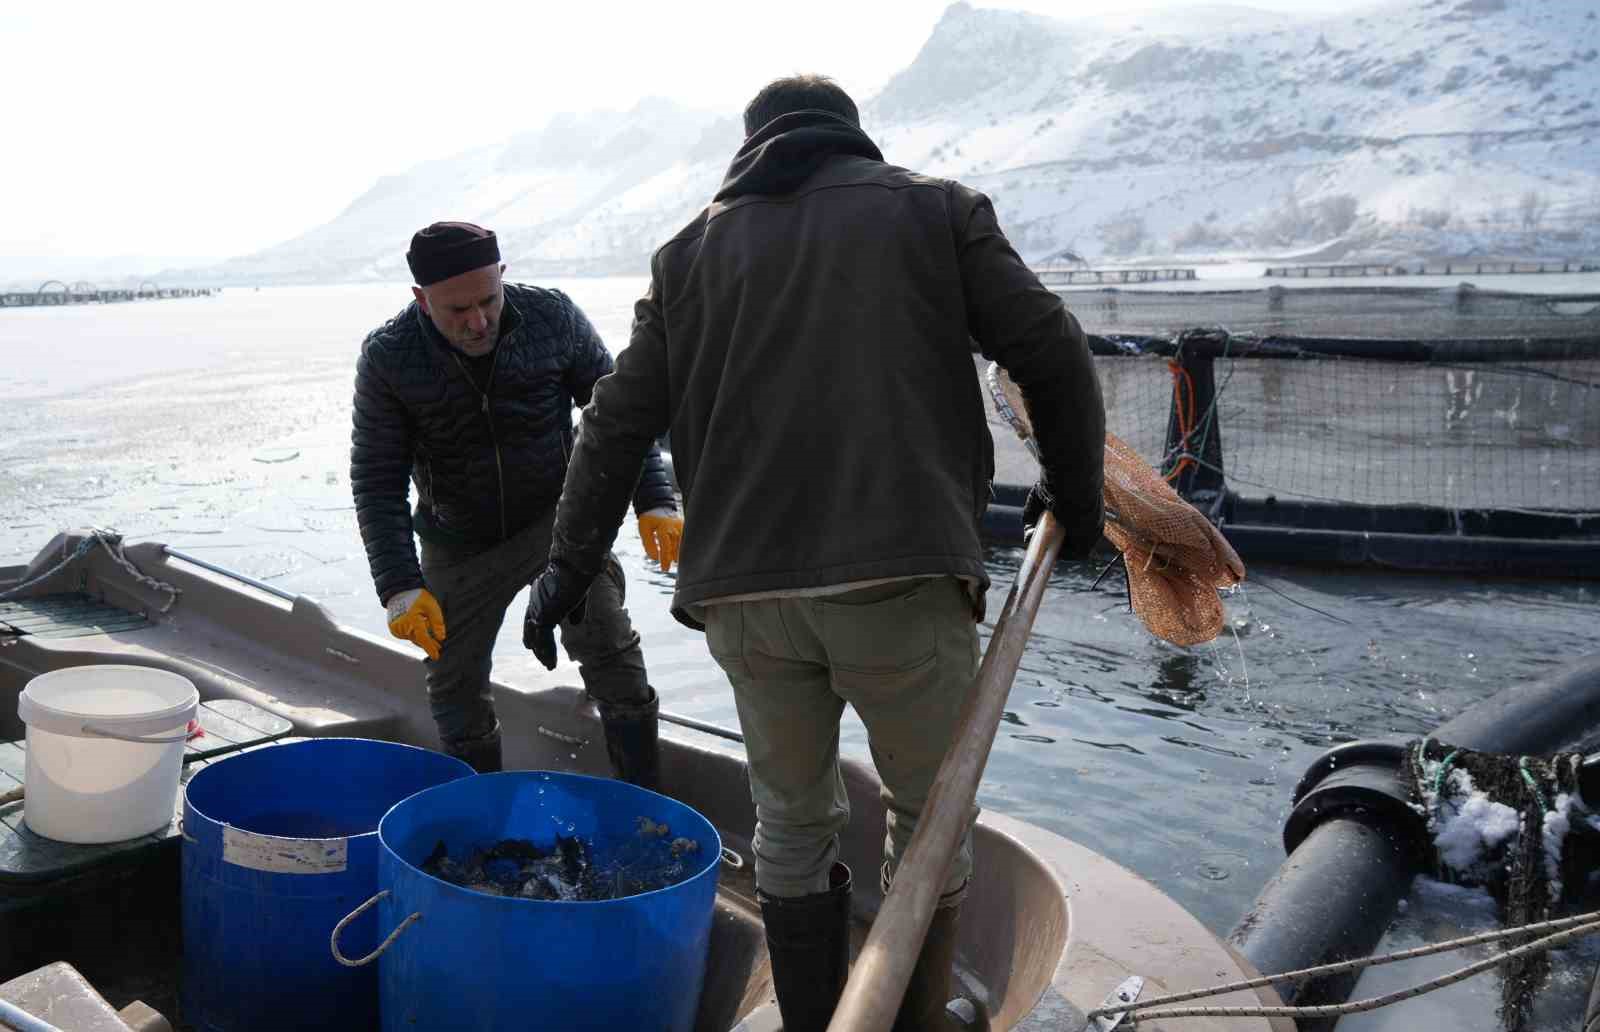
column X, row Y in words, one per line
column 1447, row 429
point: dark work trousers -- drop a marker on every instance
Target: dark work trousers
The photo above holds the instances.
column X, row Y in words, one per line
column 905, row 655
column 475, row 588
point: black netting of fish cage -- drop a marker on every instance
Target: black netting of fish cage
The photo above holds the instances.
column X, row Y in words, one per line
column 1138, row 396
column 1502, row 422
column 1481, row 436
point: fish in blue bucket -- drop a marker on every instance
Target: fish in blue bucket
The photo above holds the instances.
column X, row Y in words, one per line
column 484, row 958
column 572, row 867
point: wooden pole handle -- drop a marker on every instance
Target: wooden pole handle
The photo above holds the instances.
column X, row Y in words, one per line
column 878, row 982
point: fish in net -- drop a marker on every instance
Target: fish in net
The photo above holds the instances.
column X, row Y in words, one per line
column 1175, row 558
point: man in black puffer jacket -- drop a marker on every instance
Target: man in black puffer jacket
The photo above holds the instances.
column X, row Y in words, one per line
column 468, row 393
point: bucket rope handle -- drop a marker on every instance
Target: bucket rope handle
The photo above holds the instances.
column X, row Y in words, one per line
column 96, row 729
column 338, row 929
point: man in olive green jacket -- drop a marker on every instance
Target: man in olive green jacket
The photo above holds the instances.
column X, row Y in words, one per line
column 808, row 341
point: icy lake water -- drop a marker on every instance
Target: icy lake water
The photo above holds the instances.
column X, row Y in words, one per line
column 220, row 426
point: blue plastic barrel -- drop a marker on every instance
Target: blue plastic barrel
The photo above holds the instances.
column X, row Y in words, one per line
column 279, row 844
column 473, row 962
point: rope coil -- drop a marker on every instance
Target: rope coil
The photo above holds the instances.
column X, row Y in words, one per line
column 111, row 541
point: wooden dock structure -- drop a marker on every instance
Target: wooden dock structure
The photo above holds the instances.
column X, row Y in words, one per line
column 1453, row 267
column 55, row 292
column 1068, row 276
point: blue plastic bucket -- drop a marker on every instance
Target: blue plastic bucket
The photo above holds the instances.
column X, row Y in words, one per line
column 473, row 962
column 279, row 844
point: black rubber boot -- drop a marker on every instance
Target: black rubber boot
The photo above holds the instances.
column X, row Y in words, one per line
column 632, row 740
column 481, row 754
column 808, row 938
column 928, row 1005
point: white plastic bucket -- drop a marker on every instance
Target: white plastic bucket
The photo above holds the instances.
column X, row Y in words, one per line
column 105, row 750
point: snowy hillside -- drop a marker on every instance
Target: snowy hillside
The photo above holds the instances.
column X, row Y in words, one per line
column 1408, row 128
column 1451, row 126
column 540, row 190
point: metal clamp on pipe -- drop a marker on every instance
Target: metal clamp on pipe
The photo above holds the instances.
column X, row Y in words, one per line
column 1365, row 776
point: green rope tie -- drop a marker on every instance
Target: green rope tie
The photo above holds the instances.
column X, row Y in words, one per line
column 1533, row 784
column 1444, row 768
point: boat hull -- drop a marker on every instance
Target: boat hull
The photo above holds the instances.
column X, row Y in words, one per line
column 1050, row 929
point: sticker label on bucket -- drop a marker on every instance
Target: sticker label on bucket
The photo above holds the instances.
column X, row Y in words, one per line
column 283, row 855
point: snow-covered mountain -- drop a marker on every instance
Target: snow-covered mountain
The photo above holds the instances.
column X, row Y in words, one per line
column 540, row 190
column 1412, row 127
column 1416, row 126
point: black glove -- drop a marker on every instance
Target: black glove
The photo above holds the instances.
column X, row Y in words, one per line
column 1037, row 504
column 1083, row 526
column 559, row 593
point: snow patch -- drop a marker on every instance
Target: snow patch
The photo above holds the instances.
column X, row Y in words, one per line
column 1471, row 826
column 1557, row 823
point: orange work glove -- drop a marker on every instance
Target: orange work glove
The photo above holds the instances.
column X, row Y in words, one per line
column 415, row 616
column 661, row 530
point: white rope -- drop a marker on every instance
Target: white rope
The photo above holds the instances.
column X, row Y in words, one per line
column 1002, row 405
column 338, row 929
column 1376, row 1002
column 113, row 547
column 1566, row 929
column 112, row 543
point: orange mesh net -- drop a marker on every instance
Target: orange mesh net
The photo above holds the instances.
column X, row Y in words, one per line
column 1176, row 560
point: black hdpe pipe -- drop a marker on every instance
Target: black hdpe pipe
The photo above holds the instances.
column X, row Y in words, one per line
column 1354, row 844
column 1442, row 550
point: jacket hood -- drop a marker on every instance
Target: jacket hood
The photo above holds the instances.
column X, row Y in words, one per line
column 787, row 150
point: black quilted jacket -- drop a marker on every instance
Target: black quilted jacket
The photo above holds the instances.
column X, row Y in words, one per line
column 486, row 464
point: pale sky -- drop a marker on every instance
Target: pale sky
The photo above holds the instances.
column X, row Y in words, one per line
column 218, row 128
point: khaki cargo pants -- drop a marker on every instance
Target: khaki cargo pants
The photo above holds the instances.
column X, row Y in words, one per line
column 475, row 589
column 904, row 654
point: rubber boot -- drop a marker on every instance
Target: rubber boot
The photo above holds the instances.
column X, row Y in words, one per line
column 808, row 939
column 632, row 740
column 928, row 1005
column 481, row 754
